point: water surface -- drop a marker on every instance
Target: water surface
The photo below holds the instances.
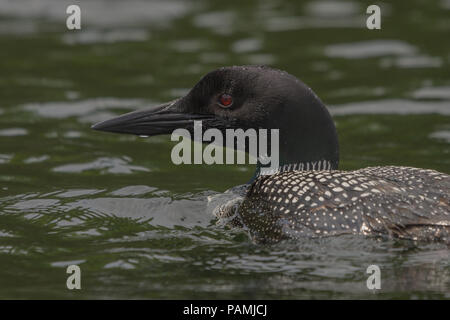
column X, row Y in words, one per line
column 136, row 224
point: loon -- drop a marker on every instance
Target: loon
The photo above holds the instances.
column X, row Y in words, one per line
column 308, row 196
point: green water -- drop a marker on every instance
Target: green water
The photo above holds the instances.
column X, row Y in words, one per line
column 136, row 224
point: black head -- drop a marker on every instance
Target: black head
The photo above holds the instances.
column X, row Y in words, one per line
column 245, row 97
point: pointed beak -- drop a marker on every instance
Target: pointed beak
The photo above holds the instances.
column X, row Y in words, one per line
column 162, row 119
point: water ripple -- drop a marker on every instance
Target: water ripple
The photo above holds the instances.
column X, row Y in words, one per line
column 104, row 165
column 369, row 49
column 392, row 106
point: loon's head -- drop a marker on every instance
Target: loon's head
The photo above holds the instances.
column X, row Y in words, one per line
column 245, row 97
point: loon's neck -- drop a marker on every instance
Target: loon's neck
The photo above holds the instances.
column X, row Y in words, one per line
column 307, row 139
column 319, row 165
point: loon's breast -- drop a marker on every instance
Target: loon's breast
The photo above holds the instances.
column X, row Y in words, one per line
column 400, row 202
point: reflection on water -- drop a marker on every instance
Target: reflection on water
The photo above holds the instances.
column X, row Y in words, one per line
column 444, row 135
column 106, row 36
column 393, row 106
column 369, row 49
column 87, row 107
column 98, row 13
column 139, row 226
column 432, row 93
column 106, row 165
column 11, row 132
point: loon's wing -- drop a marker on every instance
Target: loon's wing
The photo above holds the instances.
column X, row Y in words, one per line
column 367, row 201
column 423, row 211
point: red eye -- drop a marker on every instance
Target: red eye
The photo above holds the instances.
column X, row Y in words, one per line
column 225, row 100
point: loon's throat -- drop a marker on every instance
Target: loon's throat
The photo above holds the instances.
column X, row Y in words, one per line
column 307, row 166
column 319, row 165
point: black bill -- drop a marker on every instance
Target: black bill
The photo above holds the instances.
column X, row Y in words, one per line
column 162, row 119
